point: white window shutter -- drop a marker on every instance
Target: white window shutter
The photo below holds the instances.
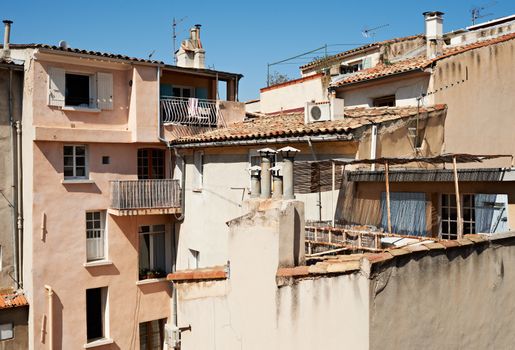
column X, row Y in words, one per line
column 56, row 87
column 105, row 91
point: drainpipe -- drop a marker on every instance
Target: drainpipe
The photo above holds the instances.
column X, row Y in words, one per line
column 19, row 201
column 373, row 146
column 50, row 296
column 319, row 202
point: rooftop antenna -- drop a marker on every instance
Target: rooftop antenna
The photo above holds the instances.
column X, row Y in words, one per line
column 371, row 32
column 174, row 36
column 151, row 54
column 476, row 12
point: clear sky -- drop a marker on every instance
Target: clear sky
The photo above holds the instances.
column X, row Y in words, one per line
column 239, row 36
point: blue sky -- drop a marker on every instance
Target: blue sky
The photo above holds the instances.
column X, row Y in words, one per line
column 239, row 36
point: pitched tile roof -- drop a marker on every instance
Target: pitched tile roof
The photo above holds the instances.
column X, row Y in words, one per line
column 415, row 63
column 292, row 125
column 12, row 300
column 81, row 51
column 359, row 49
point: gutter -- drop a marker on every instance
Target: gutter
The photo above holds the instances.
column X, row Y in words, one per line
column 300, row 139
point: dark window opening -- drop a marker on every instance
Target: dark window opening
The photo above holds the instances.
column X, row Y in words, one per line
column 351, row 68
column 151, row 163
column 77, row 90
column 106, row 160
column 385, row 101
column 152, row 335
column 95, row 307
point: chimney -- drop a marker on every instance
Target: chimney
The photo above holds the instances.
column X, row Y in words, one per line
column 434, row 33
column 7, row 37
column 191, row 54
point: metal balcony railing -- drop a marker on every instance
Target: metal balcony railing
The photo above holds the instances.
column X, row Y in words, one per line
column 145, row 194
column 191, row 111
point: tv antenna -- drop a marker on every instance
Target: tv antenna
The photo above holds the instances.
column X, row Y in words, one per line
column 151, row 54
column 174, row 35
column 371, row 32
column 476, row 12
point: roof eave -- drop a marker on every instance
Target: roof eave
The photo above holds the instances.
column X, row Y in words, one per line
column 421, row 70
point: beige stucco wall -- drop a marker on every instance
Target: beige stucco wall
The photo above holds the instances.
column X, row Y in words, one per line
column 7, row 138
column 406, row 91
column 461, row 299
column 295, row 95
column 226, row 183
column 477, row 87
column 250, row 311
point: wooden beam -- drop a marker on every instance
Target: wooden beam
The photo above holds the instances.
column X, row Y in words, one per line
column 388, row 212
column 458, row 201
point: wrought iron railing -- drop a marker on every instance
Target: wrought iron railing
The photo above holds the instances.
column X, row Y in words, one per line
column 191, row 111
column 145, row 194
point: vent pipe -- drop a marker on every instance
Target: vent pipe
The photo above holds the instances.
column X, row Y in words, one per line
column 277, row 181
column 255, row 181
column 266, row 160
column 288, row 154
column 7, row 34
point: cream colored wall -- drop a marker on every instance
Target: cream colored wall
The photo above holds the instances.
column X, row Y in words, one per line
column 293, row 96
column 480, row 108
column 225, row 187
column 250, row 311
column 406, row 91
column 461, row 299
column 60, row 255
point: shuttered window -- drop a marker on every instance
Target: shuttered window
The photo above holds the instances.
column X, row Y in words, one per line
column 74, row 89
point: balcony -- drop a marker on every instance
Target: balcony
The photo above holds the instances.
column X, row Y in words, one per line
column 145, row 197
column 191, row 112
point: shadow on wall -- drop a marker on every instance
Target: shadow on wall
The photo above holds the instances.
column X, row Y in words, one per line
column 106, row 270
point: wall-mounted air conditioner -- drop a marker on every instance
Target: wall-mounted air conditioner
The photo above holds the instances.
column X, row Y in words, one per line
column 317, row 112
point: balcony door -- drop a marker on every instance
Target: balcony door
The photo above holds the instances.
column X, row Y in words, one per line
column 151, row 163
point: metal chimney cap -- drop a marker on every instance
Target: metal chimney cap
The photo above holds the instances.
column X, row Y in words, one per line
column 7, row 21
column 198, row 26
column 288, row 150
column 276, row 170
column 266, row 151
column 433, row 13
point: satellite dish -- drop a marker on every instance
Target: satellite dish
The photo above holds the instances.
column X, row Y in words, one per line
column 63, row 44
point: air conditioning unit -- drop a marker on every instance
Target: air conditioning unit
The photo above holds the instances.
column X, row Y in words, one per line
column 317, row 112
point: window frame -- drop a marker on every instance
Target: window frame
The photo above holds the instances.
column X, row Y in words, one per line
column 148, row 328
column 2, row 330
column 103, row 234
column 351, row 67
column 182, row 89
column 384, row 101
column 471, row 222
column 104, row 311
column 74, row 166
column 92, row 91
column 152, row 232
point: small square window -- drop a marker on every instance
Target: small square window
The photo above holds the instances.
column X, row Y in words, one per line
column 6, row 331
column 75, row 162
column 106, row 160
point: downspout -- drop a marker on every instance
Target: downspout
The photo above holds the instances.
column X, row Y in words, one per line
column 319, row 202
column 183, row 192
column 50, row 295
column 19, row 204
column 14, row 199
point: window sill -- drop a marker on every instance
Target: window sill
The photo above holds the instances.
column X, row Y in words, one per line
column 98, row 342
column 97, row 263
column 77, row 181
column 81, row 109
column 197, row 190
column 150, row 281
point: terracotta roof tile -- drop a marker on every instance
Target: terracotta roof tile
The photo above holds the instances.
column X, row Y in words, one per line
column 292, row 125
column 415, row 63
column 12, row 300
column 198, row 275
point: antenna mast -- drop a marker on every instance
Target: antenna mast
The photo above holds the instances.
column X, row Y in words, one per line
column 174, row 36
column 368, row 33
column 475, row 12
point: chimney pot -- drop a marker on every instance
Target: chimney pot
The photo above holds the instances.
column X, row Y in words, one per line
column 434, row 33
column 7, row 35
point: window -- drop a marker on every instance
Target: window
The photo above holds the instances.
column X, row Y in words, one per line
column 385, row 101
column 75, row 162
column 78, row 89
column 351, row 67
column 6, row 331
column 154, row 251
column 481, row 213
column 407, row 213
column 151, row 163
column 96, row 313
column 151, row 335
column 193, row 259
column 182, row 91
column 198, row 179
column 95, row 235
